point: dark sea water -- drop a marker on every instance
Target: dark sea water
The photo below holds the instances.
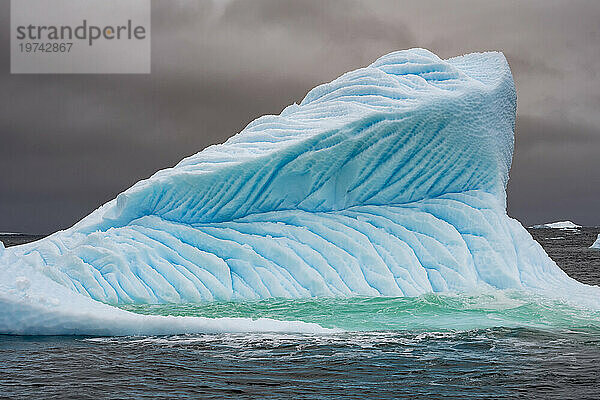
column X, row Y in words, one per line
column 489, row 345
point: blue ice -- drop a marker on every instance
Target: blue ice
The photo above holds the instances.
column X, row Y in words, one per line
column 388, row 181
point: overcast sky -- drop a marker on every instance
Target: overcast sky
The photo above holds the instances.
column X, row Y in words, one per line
column 69, row 143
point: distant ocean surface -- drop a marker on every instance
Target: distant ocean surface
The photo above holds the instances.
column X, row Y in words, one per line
column 502, row 344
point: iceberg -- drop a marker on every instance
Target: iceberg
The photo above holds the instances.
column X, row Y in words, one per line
column 388, row 181
column 558, row 225
column 596, row 244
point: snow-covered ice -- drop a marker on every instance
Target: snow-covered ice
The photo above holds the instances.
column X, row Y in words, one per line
column 388, row 181
column 558, row 225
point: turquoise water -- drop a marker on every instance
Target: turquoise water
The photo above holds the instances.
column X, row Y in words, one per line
column 432, row 312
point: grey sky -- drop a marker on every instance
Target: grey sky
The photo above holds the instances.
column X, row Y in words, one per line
column 69, row 143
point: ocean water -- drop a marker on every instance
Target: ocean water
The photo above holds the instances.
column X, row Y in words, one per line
column 500, row 344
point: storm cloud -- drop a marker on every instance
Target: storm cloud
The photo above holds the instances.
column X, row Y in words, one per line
column 69, row 143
